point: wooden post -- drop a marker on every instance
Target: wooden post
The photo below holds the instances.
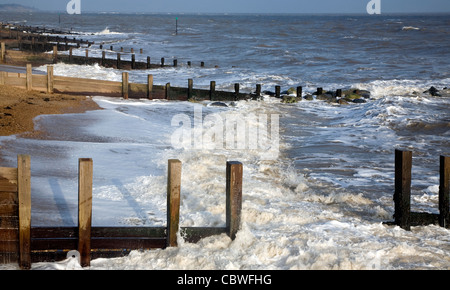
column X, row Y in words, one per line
column 168, row 91
column 444, row 192
column 85, row 179
column 277, row 91
column 71, row 55
column 118, row 60
column 212, row 90
column 149, row 86
column 299, row 92
column 141, row 51
column 125, row 85
column 173, row 201
column 258, row 90
column 133, row 61
column 175, row 62
column 3, row 53
column 233, row 197
column 148, row 62
column 162, row 61
column 29, row 77
column 50, row 79
column 190, row 88
column 24, row 193
column 103, row 58
column 339, row 93
column 55, row 53
column 202, row 64
column 189, row 63
column 319, row 91
column 402, row 194
column 87, row 56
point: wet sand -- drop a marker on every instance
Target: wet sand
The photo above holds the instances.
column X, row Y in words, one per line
column 19, row 107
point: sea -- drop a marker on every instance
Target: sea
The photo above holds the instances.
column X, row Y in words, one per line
column 320, row 200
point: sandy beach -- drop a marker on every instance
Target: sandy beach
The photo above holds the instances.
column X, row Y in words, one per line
column 18, row 108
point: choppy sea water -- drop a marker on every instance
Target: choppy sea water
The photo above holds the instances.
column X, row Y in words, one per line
column 322, row 202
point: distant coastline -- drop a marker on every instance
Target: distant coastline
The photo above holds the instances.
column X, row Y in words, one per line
column 16, row 8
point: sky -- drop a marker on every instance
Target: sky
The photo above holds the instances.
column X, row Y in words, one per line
column 241, row 6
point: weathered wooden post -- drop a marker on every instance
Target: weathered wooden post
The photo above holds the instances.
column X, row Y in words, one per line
column 24, row 195
column 319, row 91
column 103, row 58
column 188, row 63
column 234, row 176
column 202, row 64
column 212, row 90
column 402, row 194
column 149, row 86
column 3, row 53
column 190, row 88
column 50, row 79
column 339, row 93
column 258, row 90
column 133, row 61
column 85, row 179
column 277, row 91
column 55, row 53
column 118, row 61
column 86, row 60
column 29, row 77
column 444, row 192
column 162, row 61
column 141, row 51
column 168, row 91
column 299, row 92
column 71, row 55
column 148, row 62
column 125, row 85
column 173, row 201
column 175, row 62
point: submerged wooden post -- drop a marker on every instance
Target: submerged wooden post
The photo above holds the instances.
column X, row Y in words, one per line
column 29, row 77
column 50, row 79
column 149, row 86
column 402, row 194
column 173, row 201
column 125, row 85
column 233, row 197
column 24, row 194
column 444, row 192
column 85, row 178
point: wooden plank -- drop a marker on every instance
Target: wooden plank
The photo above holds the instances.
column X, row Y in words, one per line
column 9, row 174
column 8, row 210
column 138, row 90
column 194, row 234
column 402, row 194
column 40, row 83
column 9, row 198
column 9, row 222
column 9, row 235
column 444, row 192
column 78, row 85
column 9, row 247
column 112, row 232
column 7, row 186
column 24, row 192
column 85, row 210
column 233, row 197
column 173, row 201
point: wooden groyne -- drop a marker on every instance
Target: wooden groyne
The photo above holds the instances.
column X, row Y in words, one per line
column 51, row 83
column 403, row 215
column 24, row 244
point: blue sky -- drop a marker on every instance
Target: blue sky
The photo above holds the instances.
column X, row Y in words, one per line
column 244, row 6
